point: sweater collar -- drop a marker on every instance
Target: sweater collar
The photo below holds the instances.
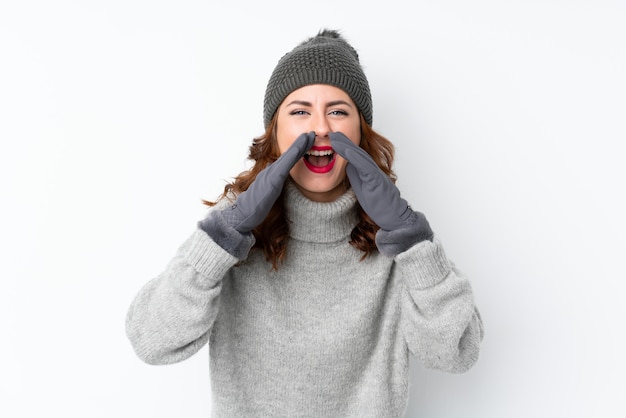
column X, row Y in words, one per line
column 319, row 221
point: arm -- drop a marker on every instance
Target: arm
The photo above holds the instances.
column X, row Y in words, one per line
column 170, row 318
column 440, row 323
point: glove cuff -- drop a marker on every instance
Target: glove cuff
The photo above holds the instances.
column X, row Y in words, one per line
column 236, row 243
column 416, row 230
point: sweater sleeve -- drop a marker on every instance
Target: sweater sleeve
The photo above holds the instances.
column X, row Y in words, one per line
column 441, row 324
column 170, row 318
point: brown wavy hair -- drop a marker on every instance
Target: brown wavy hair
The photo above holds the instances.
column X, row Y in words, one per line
column 272, row 234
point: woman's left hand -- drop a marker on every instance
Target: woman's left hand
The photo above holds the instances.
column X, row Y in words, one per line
column 401, row 227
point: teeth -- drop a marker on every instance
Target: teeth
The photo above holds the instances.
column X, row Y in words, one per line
column 320, row 153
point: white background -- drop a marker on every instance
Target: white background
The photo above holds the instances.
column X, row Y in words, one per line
column 118, row 117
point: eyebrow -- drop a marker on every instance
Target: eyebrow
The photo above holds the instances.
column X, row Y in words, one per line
column 329, row 104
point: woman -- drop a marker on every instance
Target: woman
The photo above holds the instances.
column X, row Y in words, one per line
column 311, row 279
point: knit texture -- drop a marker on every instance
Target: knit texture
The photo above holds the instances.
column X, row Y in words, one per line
column 323, row 59
column 220, row 229
column 416, row 229
column 327, row 335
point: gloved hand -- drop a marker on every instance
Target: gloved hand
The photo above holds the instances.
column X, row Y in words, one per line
column 401, row 227
column 231, row 227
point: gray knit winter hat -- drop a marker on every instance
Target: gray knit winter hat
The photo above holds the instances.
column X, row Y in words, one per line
column 323, row 59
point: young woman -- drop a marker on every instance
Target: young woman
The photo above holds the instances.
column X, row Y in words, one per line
column 311, row 278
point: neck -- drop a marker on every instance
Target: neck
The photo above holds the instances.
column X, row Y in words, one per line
column 315, row 221
column 325, row 197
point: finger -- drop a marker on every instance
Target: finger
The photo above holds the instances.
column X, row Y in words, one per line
column 340, row 143
column 352, row 152
column 294, row 153
column 355, row 179
column 356, row 183
column 269, row 182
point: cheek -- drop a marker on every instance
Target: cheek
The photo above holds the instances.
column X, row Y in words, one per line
column 355, row 136
column 283, row 143
column 284, row 139
column 340, row 166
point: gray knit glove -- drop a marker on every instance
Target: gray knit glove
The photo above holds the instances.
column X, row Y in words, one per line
column 400, row 226
column 231, row 228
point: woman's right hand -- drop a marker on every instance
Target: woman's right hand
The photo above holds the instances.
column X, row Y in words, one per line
column 253, row 205
column 231, row 227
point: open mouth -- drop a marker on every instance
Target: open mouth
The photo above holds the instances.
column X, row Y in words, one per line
column 319, row 159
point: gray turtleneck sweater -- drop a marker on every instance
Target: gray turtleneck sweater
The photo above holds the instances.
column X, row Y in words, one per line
column 327, row 335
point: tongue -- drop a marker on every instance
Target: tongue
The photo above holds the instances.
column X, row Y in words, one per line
column 319, row 161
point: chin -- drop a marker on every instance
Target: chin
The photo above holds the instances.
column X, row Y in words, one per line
column 320, row 191
column 320, row 187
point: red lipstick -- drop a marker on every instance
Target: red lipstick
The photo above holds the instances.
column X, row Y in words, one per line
column 315, row 158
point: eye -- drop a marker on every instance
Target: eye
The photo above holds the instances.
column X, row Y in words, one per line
column 338, row 112
column 298, row 112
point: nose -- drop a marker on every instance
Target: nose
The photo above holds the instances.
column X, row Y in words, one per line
column 320, row 125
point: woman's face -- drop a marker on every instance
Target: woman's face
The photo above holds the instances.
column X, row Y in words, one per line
column 320, row 108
